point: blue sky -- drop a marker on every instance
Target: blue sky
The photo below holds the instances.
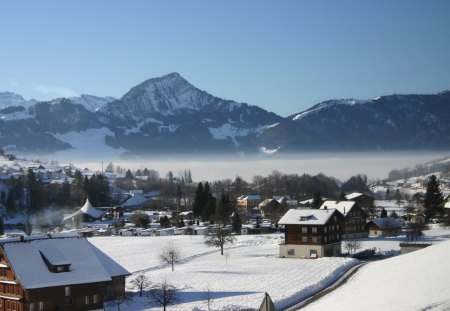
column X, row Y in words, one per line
column 283, row 56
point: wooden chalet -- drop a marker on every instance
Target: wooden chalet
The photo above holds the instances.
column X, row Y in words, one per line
column 57, row 274
column 312, row 233
column 384, row 227
column 355, row 218
column 364, row 200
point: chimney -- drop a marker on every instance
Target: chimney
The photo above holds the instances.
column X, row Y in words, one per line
column 325, row 207
column 21, row 238
column 49, row 235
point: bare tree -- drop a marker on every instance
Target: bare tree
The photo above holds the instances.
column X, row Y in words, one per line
column 208, row 297
column 140, row 282
column 219, row 236
column 170, row 254
column 352, row 246
column 163, row 294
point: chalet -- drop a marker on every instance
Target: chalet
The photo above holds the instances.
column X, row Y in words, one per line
column 311, row 233
column 57, row 274
column 364, row 200
column 355, row 218
column 384, row 227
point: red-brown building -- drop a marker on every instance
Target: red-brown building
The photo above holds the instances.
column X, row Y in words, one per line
column 57, row 274
column 355, row 218
column 312, row 233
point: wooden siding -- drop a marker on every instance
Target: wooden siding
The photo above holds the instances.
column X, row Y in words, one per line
column 325, row 234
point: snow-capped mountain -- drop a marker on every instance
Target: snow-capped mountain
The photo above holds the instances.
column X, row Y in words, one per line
column 396, row 122
column 168, row 115
column 92, row 103
column 12, row 99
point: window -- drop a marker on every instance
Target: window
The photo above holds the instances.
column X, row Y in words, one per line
column 31, row 306
column 304, row 229
column 313, row 253
column 304, row 239
column 41, row 305
column 314, row 229
column 291, row 252
column 325, row 239
column 337, row 227
column 94, row 299
column 67, row 291
column 325, row 229
column 86, row 300
column 314, row 239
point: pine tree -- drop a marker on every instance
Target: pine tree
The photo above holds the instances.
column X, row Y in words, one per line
column 433, row 198
column 2, row 226
column 199, row 201
column 317, row 200
column 236, row 222
column 224, row 208
column 384, row 213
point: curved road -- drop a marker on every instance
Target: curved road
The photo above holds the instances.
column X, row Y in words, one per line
column 321, row 292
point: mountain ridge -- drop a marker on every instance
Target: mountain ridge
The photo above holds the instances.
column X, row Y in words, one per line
column 167, row 115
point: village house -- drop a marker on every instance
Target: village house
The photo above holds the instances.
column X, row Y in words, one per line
column 365, row 201
column 355, row 218
column 57, row 274
column 384, row 227
column 246, row 203
column 311, row 233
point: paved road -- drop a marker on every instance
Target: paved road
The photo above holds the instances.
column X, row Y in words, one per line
column 340, row 281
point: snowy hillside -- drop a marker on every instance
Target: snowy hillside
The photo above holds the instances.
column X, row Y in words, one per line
column 415, row 281
column 92, row 103
column 251, row 267
column 11, row 99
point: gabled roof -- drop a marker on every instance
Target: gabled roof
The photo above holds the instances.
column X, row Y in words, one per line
column 386, row 223
column 250, row 197
column 353, row 195
column 307, row 217
column 87, row 263
column 343, row 207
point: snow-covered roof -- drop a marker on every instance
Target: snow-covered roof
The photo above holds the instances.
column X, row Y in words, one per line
column 343, row 207
column 386, row 223
column 353, row 195
column 306, row 217
column 87, row 265
column 250, row 197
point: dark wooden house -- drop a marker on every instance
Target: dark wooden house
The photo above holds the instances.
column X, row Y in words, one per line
column 312, row 233
column 355, row 218
column 57, row 274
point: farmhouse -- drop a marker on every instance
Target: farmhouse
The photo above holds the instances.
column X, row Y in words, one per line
column 384, row 227
column 312, row 233
column 355, row 218
column 57, row 274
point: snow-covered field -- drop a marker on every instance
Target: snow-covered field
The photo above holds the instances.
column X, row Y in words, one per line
column 237, row 280
column 251, row 267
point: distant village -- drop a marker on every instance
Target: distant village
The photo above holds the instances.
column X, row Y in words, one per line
column 43, row 203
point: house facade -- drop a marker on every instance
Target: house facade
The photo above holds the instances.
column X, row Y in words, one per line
column 246, row 203
column 355, row 218
column 312, row 233
column 57, row 274
column 384, row 227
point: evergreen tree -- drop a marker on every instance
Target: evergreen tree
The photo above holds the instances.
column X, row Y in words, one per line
column 64, row 196
column 224, row 208
column 236, row 222
column 10, row 202
column 128, row 174
column 199, row 201
column 35, row 193
column 210, row 203
column 384, row 213
column 2, row 226
column 433, row 198
column 317, row 200
column 27, row 228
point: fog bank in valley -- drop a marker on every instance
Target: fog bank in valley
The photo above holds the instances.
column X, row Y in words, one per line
column 376, row 165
